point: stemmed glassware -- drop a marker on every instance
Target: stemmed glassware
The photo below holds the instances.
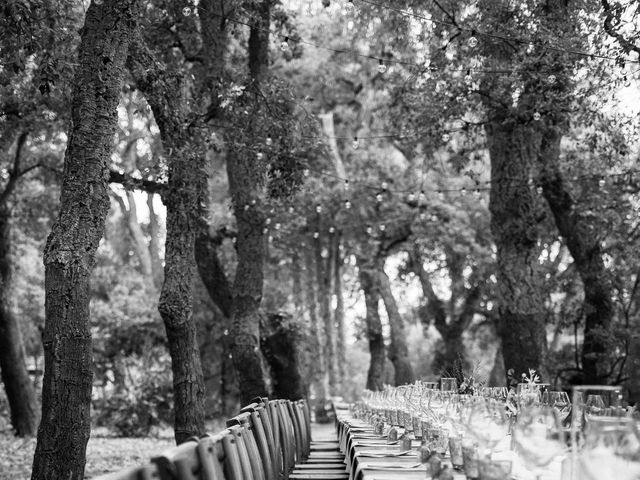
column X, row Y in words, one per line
column 538, row 437
column 560, row 401
column 488, row 423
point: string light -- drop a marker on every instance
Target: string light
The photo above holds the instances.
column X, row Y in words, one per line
column 316, row 234
column 537, row 116
column 186, row 11
column 284, row 45
column 423, row 197
column 411, row 197
column 259, row 155
column 384, row 186
column 267, row 221
column 346, row 184
column 539, row 190
column 355, row 144
column 265, row 231
column 347, row 204
column 551, row 79
column 369, row 230
column 332, row 229
column 381, row 66
column 276, row 226
column 318, row 208
column 383, row 227
column 305, row 172
column 473, row 41
column 379, row 197
column 268, row 141
column 445, row 137
column 601, row 182
column 246, row 207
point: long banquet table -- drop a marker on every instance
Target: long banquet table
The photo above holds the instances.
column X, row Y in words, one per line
column 370, row 457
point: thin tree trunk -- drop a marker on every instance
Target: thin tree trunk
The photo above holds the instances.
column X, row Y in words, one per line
column 318, row 364
column 369, row 281
column 70, row 250
column 515, row 231
column 324, row 311
column 17, row 384
column 585, row 248
column 154, row 242
column 165, row 90
column 339, row 314
column 212, row 272
column 398, row 351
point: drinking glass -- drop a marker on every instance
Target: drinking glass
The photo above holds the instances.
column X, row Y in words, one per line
column 538, row 437
column 488, row 423
column 559, row 401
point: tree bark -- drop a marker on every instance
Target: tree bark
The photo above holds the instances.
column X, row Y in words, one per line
column 70, row 250
column 250, row 243
column 212, row 272
column 585, row 248
column 165, row 90
column 339, row 314
column 514, row 228
column 324, row 280
column 398, row 352
column 369, row 281
column 17, row 384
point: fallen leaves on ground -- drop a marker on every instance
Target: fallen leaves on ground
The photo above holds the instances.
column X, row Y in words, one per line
column 104, row 454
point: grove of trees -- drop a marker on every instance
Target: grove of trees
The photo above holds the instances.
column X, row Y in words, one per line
column 207, row 201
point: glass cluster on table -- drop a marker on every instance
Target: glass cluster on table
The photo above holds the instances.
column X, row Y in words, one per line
column 593, row 435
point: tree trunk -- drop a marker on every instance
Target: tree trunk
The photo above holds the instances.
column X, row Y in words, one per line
column 514, row 228
column 318, row 363
column 212, row 272
column 339, row 314
column 323, row 279
column 154, row 243
column 398, row 352
column 585, row 248
column 70, row 250
column 369, row 281
column 165, row 91
column 280, row 345
column 17, row 384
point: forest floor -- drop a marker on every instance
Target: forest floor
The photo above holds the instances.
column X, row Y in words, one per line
column 104, row 453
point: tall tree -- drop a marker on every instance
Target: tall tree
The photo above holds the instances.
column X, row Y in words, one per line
column 167, row 88
column 370, row 282
column 15, row 377
column 244, row 186
column 70, row 251
column 398, row 352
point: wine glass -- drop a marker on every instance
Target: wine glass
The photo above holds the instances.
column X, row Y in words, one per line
column 593, row 407
column 488, row 423
column 559, row 401
column 538, row 437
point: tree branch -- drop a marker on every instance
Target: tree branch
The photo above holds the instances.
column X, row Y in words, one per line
column 625, row 43
column 131, row 183
column 15, row 172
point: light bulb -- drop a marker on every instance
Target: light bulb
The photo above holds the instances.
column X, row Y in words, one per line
column 601, row 182
column 539, row 190
column 332, row 229
column 346, row 184
column 551, row 79
column 246, row 207
column 347, row 204
column 423, row 216
column 385, row 185
column 445, row 137
column 422, row 197
column 355, row 144
column 318, row 208
column 379, row 197
column 268, row 142
column 463, row 190
column 253, row 202
column 316, row 234
column 369, row 230
column 186, row 11
column 381, row 66
column 472, row 42
column 383, row 227
column 259, row 155
column 305, row 172
column 267, row 221
column 270, row 239
column 265, row 230
column 478, row 192
column 284, row 46
column 411, row 197
column 468, row 79
column 537, row 116
column 276, row 226
column 291, row 209
column 349, row 6
column 530, row 48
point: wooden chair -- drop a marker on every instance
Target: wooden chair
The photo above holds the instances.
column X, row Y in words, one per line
column 250, row 458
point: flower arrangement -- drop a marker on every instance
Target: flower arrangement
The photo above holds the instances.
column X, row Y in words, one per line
column 469, row 383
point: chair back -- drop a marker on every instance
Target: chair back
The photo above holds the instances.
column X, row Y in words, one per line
column 250, row 458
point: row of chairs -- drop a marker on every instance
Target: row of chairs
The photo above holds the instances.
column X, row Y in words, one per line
column 267, row 440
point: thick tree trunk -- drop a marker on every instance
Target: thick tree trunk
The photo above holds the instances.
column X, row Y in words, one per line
column 369, row 281
column 17, row 384
column 398, row 352
column 281, row 348
column 585, row 248
column 70, row 250
column 165, row 90
column 514, row 228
